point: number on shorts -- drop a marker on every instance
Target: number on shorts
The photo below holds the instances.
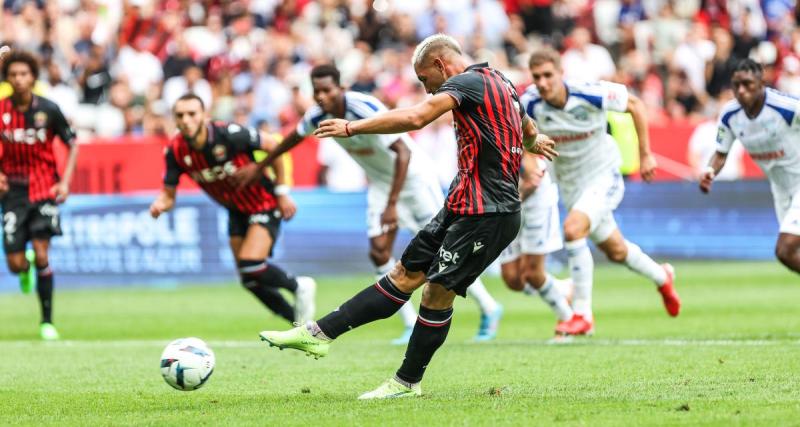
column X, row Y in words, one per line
column 9, row 223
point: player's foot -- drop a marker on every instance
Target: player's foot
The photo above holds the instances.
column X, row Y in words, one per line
column 392, row 389
column 298, row 338
column 304, row 306
column 672, row 302
column 48, row 332
column 403, row 339
column 27, row 279
column 489, row 324
column 578, row 325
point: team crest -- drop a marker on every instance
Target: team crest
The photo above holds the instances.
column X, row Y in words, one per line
column 187, row 160
column 6, row 118
column 219, row 152
column 40, row 119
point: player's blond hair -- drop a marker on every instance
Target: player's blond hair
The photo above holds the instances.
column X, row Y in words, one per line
column 434, row 44
column 544, row 56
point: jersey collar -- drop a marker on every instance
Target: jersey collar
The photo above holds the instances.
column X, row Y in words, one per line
column 476, row 66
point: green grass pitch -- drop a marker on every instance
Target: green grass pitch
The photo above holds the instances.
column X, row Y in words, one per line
column 731, row 358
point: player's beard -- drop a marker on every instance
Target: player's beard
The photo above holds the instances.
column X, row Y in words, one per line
column 192, row 139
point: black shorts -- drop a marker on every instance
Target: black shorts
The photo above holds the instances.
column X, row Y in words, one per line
column 453, row 250
column 24, row 221
column 239, row 222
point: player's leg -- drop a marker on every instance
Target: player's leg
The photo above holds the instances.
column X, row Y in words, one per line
column 787, row 250
column 491, row 311
column 44, row 288
column 16, row 234
column 581, row 263
column 535, row 274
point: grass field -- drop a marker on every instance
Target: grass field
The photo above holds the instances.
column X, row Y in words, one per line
column 731, row 358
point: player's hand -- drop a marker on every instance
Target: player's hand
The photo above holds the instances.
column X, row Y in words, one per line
column 543, row 146
column 333, row 128
column 530, row 184
column 3, row 184
column 60, row 192
column 389, row 218
column 157, row 208
column 247, row 175
column 706, row 179
column 647, row 166
column 287, row 207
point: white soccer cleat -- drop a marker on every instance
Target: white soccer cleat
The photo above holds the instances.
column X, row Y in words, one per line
column 304, row 304
column 392, row 389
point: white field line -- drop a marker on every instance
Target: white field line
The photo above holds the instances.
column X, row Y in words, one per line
column 577, row 342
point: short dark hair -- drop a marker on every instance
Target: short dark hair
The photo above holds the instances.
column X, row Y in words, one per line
column 189, row 96
column 24, row 57
column 326, row 70
column 749, row 65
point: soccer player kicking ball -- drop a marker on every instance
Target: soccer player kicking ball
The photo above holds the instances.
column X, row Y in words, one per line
column 29, row 183
column 587, row 173
column 767, row 123
column 403, row 188
column 522, row 263
column 479, row 219
column 210, row 153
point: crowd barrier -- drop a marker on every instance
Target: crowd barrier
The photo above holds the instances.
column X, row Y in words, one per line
column 111, row 239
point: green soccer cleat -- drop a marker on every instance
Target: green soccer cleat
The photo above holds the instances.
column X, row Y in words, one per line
column 27, row 279
column 48, row 332
column 392, row 389
column 298, row 338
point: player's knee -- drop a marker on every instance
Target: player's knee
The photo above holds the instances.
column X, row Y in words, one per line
column 436, row 297
column 513, row 281
column 575, row 229
column 379, row 255
column 42, row 259
column 404, row 280
column 785, row 254
column 535, row 277
column 616, row 254
column 16, row 266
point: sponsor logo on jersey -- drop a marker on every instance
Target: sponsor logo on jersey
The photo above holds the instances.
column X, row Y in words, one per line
column 220, row 152
column 447, row 258
column 26, row 136
column 6, row 118
column 213, row 174
column 187, row 160
column 258, row 219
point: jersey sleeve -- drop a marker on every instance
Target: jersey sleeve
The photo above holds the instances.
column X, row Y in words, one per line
column 173, row 172
column 463, row 87
column 615, row 97
column 61, row 128
column 725, row 135
column 310, row 121
column 245, row 139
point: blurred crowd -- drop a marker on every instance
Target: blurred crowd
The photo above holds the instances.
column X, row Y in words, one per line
column 116, row 66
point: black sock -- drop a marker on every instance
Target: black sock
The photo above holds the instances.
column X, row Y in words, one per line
column 269, row 275
column 429, row 334
column 44, row 287
column 378, row 301
column 252, row 274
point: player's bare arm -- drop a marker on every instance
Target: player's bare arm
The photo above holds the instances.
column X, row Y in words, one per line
column 647, row 163
column 3, row 184
column 61, row 190
column 286, row 205
column 163, row 203
column 252, row 172
column 714, row 166
column 394, row 121
column 401, row 161
column 535, row 142
column 531, row 176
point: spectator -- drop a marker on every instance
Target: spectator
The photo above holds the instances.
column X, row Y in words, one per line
column 586, row 61
column 191, row 81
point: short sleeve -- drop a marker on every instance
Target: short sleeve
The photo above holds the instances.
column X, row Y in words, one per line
column 725, row 136
column 467, row 86
column 61, row 128
column 173, row 172
column 615, row 97
column 244, row 138
column 310, row 121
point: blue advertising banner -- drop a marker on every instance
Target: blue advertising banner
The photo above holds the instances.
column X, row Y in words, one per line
column 112, row 240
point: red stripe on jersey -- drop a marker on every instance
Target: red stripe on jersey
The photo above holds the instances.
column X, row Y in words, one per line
column 476, row 175
column 469, row 123
column 500, row 93
column 492, row 116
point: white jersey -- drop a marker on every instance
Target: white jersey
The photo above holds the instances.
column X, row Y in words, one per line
column 546, row 194
column 579, row 129
column 372, row 152
column 771, row 138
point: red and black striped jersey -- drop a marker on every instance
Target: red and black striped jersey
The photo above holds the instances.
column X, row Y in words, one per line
column 27, row 137
column 488, row 125
column 228, row 148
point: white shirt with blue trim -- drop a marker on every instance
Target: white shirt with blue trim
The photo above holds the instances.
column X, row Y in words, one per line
column 772, row 138
column 579, row 130
column 372, row 152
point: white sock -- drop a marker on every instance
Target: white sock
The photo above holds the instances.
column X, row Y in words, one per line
column 382, row 270
column 408, row 314
column 553, row 297
column 641, row 263
column 485, row 301
column 581, row 266
column 530, row 290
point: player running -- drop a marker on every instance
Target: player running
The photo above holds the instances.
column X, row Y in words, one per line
column 29, row 125
column 767, row 123
column 403, row 190
column 479, row 219
column 587, row 173
column 210, row 153
column 523, row 261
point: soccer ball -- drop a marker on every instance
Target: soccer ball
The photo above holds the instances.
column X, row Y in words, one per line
column 187, row 363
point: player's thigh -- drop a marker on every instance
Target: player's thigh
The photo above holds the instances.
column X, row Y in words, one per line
column 541, row 230
column 405, row 280
column 376, row 204
column 614, row 246
column 418, row 205
column 45, row 221
column 235, row 243
column 787, row 209
column 383, row 242
column 421, row 252
column 511, row 272
column 596, row 202
column 256, row 244
column 437, row 297
column 16, row 225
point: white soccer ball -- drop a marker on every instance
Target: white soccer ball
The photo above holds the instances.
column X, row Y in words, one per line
column 187, row 363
